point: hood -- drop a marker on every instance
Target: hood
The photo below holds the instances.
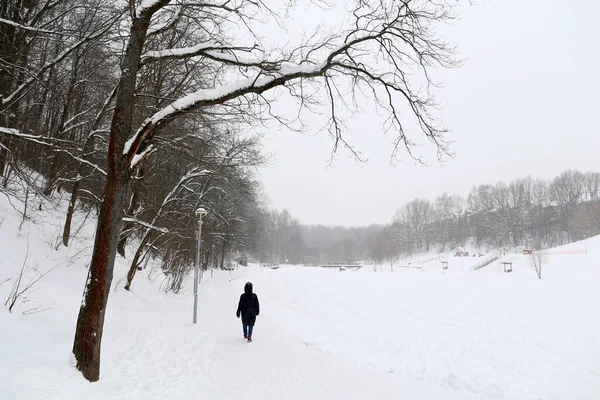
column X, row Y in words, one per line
column 248, row 287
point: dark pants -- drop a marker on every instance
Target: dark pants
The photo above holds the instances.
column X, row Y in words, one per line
column 248, row 331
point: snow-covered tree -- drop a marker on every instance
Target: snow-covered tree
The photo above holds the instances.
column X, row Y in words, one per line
column 384, row 53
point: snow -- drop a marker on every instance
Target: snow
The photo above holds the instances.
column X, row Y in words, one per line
column 27, row 28
column 45, row 141
column 159, row 27
column 214, row 50
column 140, row 156
column 284, row 70
column 144, row 5
column 15, row 132
column 189, row 101
column 146, row 225
column 415, row 333
column 242, row 56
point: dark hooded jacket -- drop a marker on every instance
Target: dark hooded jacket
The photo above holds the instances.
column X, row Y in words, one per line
column 248, row 306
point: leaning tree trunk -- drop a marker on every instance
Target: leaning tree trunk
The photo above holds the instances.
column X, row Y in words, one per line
column 136, row 260
column 74, row 196
column 123, row 238
column 70, row 212
column 90, row 322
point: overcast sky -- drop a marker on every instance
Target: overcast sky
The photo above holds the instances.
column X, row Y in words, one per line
column 526, row 102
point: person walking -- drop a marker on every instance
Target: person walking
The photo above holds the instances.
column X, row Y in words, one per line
column 248, row 308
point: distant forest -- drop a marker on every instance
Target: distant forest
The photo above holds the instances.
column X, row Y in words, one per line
column 525, row 212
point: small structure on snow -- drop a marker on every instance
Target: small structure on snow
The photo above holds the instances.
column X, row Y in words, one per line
column 507, row 266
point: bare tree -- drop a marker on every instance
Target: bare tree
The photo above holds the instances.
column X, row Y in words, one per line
column 24, row 283
column 586, row 221
column 391, row 247
column 377, row 251
column 567, row 191
column 539, row 258
column 447, row 223
column 592, row 186
column 542, row 213
column 417, row 217
column 152, row 227
column 520, row 205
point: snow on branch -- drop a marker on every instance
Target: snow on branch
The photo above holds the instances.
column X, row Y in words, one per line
column 32, row 138
column 141, row 156
column 240, row 56
column 28, row 28
column 158, row 28
column 98, row 199
column 211, row 97
column 171, row 196
column 145, row 224
column 150, row 6
column 84, row 161
column 194, row 173
column 46, row 141
column 388, row 44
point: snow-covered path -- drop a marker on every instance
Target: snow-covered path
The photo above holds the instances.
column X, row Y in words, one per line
column 279, row 364
column 321, row 335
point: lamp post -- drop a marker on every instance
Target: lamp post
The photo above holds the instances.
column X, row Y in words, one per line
column 201, row 212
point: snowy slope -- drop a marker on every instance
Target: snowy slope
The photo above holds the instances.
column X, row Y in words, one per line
column 574, row 261
column 321, row 334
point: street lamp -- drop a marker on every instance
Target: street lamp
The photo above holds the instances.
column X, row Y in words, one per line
column 200, row 212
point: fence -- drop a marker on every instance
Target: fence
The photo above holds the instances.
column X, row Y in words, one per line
column 485, row 262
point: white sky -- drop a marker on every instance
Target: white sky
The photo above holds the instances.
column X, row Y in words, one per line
column 525, row 102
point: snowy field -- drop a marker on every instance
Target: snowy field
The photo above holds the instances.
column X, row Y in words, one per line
column 322, row 334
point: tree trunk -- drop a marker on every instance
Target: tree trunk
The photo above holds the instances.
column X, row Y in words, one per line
column 222, row 256
column 90, row 322
column 128, row 225
column 123, row 239
column 8, row 43
column 3, row 157
column 135, row 262
column 70, row 212
column 7, row 171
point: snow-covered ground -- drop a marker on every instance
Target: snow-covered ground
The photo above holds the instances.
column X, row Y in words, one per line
column 322, row 334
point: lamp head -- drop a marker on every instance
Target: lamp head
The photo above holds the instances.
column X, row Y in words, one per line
column 201, row 212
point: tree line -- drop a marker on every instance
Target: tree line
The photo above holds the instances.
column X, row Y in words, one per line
column 528, row 212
